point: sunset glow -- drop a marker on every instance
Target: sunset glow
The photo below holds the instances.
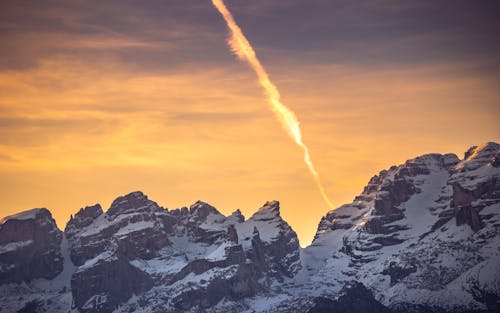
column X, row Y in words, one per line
column 101, row 99
column 242, row 48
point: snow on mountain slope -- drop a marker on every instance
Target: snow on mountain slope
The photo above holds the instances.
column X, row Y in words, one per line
column 29, row 247
column 25, row 215
column 213, row 257
column 179, row 259
column 44, row 263
column 423, row 236
column 419, row 233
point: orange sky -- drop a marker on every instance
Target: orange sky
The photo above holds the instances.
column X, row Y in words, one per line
column 76, row 129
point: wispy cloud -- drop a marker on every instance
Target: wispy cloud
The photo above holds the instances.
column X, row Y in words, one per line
column 100, row 98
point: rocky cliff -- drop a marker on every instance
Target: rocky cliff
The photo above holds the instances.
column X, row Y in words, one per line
column 423, row 236
column 29, row 247
column 426, row 232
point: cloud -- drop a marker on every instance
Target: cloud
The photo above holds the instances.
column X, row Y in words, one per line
column 14, row 122
column 213, row 117
column 371, row 32
column 6, row 158
column 167, row 35
column 100, row 98
column 160, row 34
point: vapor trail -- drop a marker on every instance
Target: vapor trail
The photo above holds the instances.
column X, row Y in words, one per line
column 244, row 51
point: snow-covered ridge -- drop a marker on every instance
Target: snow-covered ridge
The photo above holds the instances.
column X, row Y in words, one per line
column 148, row 247
column 421, row 235
column 12, row 246
column 417, row 233
column 25, row 215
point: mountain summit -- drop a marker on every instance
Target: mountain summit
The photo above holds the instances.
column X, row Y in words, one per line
column 423, row 236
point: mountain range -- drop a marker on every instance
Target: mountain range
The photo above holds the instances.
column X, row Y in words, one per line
column 423, row 236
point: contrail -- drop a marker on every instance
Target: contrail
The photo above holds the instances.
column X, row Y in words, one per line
column 244, row 51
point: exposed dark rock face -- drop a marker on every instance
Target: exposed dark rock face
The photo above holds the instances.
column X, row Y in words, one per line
column 242, row 271
column 34, row 306
column 419, row 308
column 428, row 225
column 196, row 216
column 257, row 253
column 238, row 216
column 136, row 227
column 29, row 247
column 397, row 272
column 391, row 194
column 234, row 256
column 489, row 297
column 421, row 237
column 281, row 256
column 100, row 288
column 142, row 244
column 238, row 286
column 232, row 234
column 393, row 191
column 356, row 298
column 112, row 252
column 200, row 211
column 463, row 202
column 135, row 202
column 82, row 219
column 103, row 244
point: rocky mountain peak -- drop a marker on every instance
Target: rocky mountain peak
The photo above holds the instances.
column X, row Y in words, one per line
column 232, row 234
column 132, row 202
column 478, row 156
column 485, row 149
column 29, row 246
column 270, row 210
column 407, row 223
column 24, row 225
column 33, row 214
column 273, row 205
column 423, row 236
column 255, row 232
column 84, row 217
column 92, row 212
column 200, row 210
column 424, row 164
column 238, row 216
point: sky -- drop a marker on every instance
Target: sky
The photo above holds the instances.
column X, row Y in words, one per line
column 102, row 98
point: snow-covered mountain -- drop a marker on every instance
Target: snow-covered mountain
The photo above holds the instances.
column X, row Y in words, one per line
column 423, row 236
column 425, row 233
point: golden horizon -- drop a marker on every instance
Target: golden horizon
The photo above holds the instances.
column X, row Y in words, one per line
column 100, row 100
